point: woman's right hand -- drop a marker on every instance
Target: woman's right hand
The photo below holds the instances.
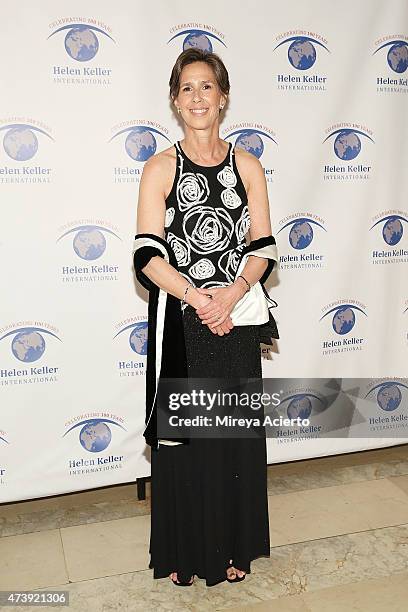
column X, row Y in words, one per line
column 196, row 300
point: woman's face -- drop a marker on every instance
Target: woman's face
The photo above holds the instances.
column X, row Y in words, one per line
column 199, row 96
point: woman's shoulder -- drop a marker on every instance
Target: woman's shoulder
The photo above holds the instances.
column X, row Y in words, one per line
column 160, row 168
column 162, row 159
column 249, row 166
column 246, row 159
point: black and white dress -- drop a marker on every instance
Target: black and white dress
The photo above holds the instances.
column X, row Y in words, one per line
column 209, row 497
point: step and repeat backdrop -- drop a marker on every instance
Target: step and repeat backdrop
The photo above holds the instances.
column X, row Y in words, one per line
column 319, row 95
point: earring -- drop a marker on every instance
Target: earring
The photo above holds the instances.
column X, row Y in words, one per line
column 178, row 110
column 221, row 107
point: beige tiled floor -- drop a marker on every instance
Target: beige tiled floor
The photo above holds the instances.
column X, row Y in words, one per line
column 339, row 534
column 125, row 540
column 387, row 595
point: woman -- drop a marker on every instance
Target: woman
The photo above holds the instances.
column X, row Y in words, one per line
column 197, row 201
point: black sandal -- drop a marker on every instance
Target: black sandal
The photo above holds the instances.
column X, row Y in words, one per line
column 237, row 578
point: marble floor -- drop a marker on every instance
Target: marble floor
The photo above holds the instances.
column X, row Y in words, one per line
column 339, row 533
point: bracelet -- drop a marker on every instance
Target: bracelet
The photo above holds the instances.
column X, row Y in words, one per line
column 183, row 301
column 249, row 286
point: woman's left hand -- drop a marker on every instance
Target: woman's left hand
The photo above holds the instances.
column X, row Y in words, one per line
column 221, row 305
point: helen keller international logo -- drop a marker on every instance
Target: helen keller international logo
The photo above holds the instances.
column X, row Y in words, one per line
column 347, row 146
column 393, row 52
column 94, row 436
column 389, row 394
column 255, row 139
column 82, row 41
column 88, row 242
column 306, row 403
column 136, row 142
column 196, row 36
column 303, row 51
column 23, row 139
column 131, row 337
column 388, row 230
column 343, row 317
column 302, row 230
column 27, row 344
column 388, row 401
column 302, row 405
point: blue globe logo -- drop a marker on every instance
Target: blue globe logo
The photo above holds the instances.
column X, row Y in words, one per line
column 140, row 144
column 302, row 54
column 81, row 43
column 392, row 231
column 197, row 40
column 299, row 407
column 28, row 346
column 343, row 320
column 20, row 143
column 389, row 397
column 251, row 142
column 347, row 145
column 138, row 338
column 301, row 235
column 89, row 243
column 397, row 57
column 95, row 436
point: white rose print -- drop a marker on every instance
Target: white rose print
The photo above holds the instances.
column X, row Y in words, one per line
column 230, row 198
column 192, row 188
column 203, row 268
column 180, row 248
column 207, row 229
column 227, row 177
column 228, row 263
column 243, row 224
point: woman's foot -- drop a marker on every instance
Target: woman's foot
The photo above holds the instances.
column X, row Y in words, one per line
column 234, row 574
column 173, row 577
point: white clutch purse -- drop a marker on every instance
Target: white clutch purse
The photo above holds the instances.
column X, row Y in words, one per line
column 254, row 306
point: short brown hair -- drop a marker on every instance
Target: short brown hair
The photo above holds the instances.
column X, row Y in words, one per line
column 198, row 55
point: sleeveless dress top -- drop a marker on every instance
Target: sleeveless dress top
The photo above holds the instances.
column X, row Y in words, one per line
column 206, row 220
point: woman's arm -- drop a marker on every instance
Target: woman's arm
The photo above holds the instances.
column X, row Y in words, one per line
column 151, row 210
column 258, row 207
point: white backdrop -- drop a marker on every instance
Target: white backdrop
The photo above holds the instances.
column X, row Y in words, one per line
column 318, row 93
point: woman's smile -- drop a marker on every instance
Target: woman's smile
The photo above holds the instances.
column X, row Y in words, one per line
column 198, row 111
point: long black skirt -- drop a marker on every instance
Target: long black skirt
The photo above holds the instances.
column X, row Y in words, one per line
column 209, row 497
